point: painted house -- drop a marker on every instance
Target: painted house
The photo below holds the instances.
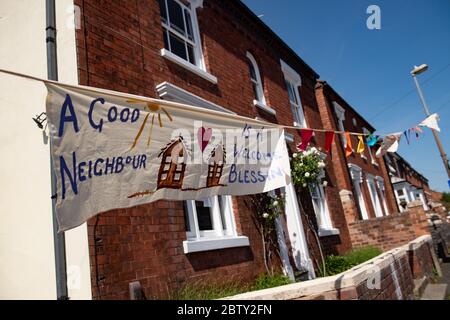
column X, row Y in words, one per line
column 215, row 167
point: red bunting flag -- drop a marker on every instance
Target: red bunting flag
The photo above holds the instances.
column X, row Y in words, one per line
column 329, row 137
column 306, row 135
column 348, row 145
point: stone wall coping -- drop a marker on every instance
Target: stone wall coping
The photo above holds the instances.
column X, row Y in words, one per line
column 417, row 243
column 415, row 203
column 349, row 278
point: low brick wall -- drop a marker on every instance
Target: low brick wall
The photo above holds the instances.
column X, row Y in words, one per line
column 389, row 276
column 390, row 231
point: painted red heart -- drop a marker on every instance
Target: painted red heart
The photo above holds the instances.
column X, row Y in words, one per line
column 203, row 137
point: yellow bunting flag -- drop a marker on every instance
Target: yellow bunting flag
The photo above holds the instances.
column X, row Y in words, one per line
column 361, row 147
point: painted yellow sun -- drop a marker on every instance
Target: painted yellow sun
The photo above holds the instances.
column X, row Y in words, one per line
column 154, row 110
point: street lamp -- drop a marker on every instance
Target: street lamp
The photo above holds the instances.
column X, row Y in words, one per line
column 416, row 71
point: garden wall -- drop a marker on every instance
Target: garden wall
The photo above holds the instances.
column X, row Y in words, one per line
column 389, row 276
column 391, row 231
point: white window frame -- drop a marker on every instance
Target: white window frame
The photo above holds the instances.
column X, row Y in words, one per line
column 357, row 179
column 422, row 198
column 199, row 66
column 195, row 43
column 404, row 188
column 261, row 102
column 217, row 238
column 322, row 212
column 376, row 204
column 340, row 115
column 293, row 79
column 382, row 188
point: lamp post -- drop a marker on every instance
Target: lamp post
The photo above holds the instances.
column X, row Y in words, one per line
column 416, row 71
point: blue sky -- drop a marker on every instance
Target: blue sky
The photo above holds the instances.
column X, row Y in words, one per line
column 371, row 68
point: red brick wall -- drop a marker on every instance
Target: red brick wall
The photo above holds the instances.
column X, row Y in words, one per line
column 145, row 244
column 391, row 231
column 118, row 48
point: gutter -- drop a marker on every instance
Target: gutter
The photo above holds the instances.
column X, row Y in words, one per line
column 58, row 238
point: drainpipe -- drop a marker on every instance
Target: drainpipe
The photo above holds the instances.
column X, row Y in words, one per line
column 58, row 238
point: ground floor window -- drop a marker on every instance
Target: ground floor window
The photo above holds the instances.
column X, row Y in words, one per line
column 374, row 196
column 357, row 179
column 382, row 190
column 320, row 206
column 210, row 225
column 209, row 218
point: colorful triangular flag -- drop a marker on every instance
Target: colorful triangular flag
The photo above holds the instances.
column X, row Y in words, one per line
column 306, row 135
column 348, row 145
column 361, row 147
column 329, row 137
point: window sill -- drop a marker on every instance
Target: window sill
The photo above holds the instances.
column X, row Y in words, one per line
column 328, row 232
column 191, row 246
column 187, row 65
column 262, row 106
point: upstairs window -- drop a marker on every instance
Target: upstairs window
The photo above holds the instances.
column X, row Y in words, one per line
column 340, row 115
column 180, row 30
column 293, row 81
column 255, row 78
column 296, row 107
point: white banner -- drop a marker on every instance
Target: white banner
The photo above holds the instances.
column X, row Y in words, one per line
column 113, row 150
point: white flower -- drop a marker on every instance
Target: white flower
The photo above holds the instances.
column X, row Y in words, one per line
column 307, row 174
column 325, row 183
column 275, row 203
column 321, row 164
column 265, row 215
column 304, row 185
column 314, row 149
column 294, row 155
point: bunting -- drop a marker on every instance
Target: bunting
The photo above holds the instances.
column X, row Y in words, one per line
column 431, row 122
column 390, row 144
column 329, row 138
column 348, row 145
column 306, row 135
column 361, row 147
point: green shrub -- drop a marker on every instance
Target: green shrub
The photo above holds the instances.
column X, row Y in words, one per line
column 210, row 291
column 358, row 256
column 265, row 281
column 337, row 264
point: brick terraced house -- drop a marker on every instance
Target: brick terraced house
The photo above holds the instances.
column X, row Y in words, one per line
column 409, row 185
column 364, row 184
column 219, row 55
